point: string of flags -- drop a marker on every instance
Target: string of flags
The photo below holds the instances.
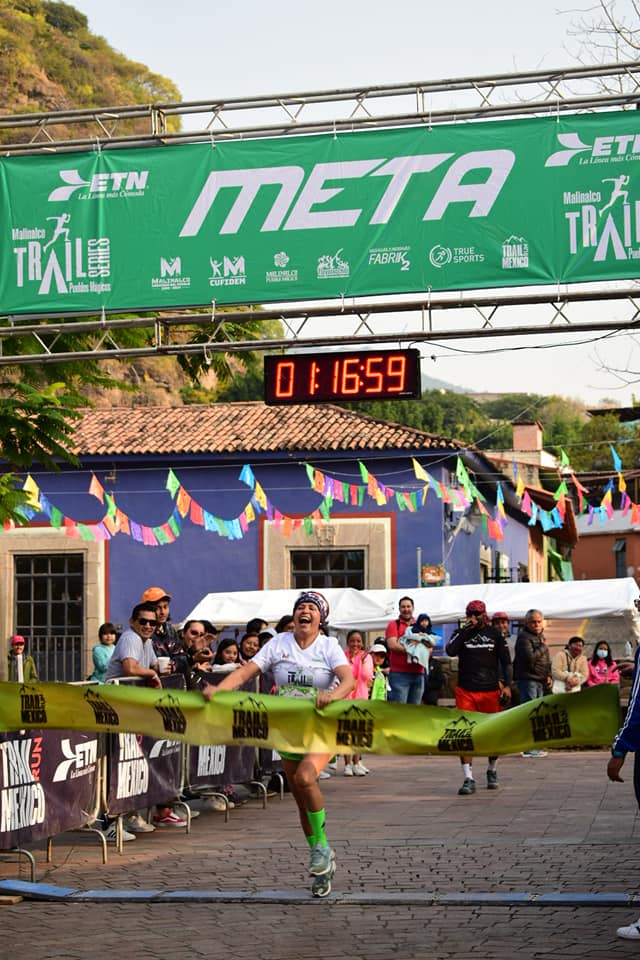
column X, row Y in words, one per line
column 461, row 496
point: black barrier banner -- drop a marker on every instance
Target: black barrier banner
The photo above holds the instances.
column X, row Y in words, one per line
column 214, row 766
column 210, row 766
column 48, row 784
column 143, row 770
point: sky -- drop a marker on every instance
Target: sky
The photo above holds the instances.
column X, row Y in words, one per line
column 252, row 48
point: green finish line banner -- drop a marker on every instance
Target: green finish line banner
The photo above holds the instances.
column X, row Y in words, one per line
column 590, row 718
column 473, row 205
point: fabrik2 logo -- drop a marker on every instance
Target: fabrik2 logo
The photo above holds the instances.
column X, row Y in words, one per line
column 126, row 183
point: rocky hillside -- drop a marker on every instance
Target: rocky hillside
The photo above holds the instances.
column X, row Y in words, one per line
column 50, row 61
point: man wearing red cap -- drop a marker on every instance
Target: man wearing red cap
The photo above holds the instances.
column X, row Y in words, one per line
column 22, row 666
column 483, row 657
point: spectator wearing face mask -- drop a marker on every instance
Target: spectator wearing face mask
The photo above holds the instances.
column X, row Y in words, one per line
column 569, row 667
column 602, row 666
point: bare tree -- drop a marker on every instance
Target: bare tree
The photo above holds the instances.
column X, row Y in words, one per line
column 608, row 32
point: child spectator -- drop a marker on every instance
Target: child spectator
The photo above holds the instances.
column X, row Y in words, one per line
column 103, row 651
column 380, row 684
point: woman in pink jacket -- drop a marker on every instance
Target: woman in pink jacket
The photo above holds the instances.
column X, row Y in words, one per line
column 602, row 666
column 362, row 666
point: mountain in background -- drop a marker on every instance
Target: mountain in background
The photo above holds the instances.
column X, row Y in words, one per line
column 432, row 383
column 51, row 62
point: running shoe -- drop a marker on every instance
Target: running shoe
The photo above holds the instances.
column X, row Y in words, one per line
column 110, row 833
column 492, row 779
column 359, row 770
column 348, row 770
column 534, row 753
column 321, row 860
column 137, row 824
column 469, row 786
column 321, row 886
column 632, row 932
column 324, row 775
column 169, row 819
column 217, row 804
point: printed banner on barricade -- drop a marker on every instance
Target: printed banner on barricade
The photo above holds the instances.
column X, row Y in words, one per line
column 589, row 718
column 450, row 207
column 214, row 766
column 210, row 765
column 48, row 784
column 144, row 770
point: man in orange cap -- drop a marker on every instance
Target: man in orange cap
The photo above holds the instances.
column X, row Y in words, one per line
column 165, row 639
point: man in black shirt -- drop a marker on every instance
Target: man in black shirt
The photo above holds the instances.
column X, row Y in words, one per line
column 483, row 659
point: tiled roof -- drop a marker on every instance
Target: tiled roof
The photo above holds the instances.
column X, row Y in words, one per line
column 243, row 427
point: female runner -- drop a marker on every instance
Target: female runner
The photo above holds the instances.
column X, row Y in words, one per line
column 304, row 663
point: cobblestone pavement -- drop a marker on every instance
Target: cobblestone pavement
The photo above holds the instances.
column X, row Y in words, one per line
column 421, row 872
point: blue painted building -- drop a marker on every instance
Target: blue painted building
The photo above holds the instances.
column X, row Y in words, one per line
column 242, row 496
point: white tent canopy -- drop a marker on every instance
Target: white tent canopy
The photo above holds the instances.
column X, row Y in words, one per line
column 372, row 609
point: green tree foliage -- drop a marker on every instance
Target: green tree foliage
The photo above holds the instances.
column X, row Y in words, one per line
column 452, row 415
column 50, row 61
column 64, row 17
column 599, row 434
column 36, row 426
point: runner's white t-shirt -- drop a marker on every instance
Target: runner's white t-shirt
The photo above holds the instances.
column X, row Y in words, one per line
column 297, row 672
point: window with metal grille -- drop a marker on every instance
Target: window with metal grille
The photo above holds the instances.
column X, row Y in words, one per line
column 49, row 612
column 327, row 568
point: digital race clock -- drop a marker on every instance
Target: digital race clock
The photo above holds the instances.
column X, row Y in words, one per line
column 324, row 377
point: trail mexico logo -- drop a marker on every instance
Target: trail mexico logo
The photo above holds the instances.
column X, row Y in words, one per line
column 250, row 720
column 22, row 798
column 103, row 712
column 33, row 706
column 173, row 719
column 549, row 721
column 356, row 728
column 458, row 736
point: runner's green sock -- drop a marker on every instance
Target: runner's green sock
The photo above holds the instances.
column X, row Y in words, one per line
column 316, row 819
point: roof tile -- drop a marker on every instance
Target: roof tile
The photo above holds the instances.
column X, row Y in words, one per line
column 250, row 426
